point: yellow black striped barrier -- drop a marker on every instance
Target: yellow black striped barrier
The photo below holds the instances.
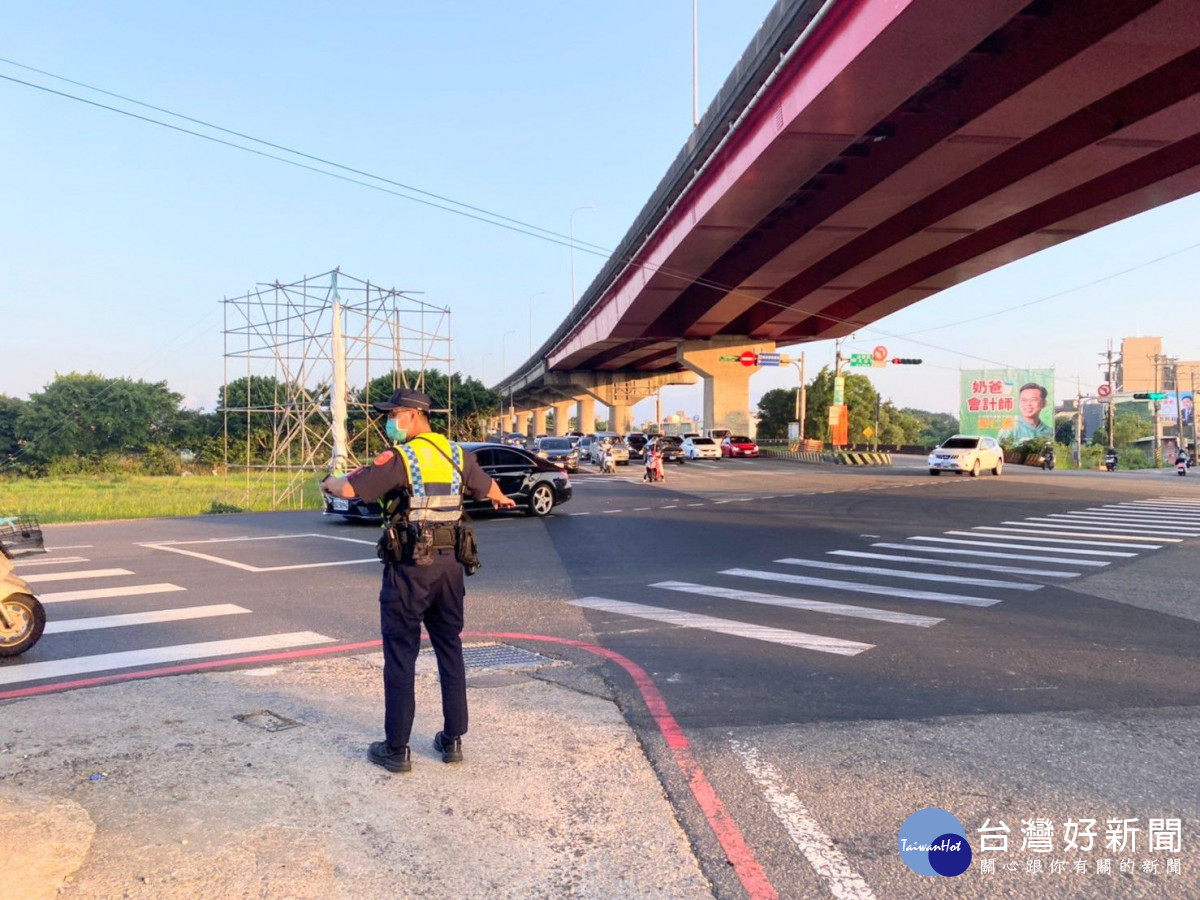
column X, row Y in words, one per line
column 840, row 458
column 861, row 458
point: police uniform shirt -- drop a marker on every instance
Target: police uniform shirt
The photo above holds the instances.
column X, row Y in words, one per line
column 387, row 475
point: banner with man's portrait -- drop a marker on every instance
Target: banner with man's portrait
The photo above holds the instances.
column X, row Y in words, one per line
column 1008, row 404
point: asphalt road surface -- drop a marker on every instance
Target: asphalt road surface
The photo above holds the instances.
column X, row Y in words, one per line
column 841, row 648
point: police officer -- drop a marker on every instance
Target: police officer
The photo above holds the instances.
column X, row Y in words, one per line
column 421, row 482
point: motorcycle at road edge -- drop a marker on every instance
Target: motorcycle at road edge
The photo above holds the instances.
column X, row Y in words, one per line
column 22, row 616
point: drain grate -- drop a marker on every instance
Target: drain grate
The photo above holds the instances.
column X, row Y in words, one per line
column 267, row 720
column 500, row 656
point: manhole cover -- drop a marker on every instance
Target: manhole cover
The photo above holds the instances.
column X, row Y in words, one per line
column 267, row 720
column 500, row 656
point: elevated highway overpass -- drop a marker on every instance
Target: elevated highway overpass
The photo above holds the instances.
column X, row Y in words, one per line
column 864, row 155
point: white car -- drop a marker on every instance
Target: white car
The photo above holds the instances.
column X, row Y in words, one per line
column 966, row 453
column 701, row 448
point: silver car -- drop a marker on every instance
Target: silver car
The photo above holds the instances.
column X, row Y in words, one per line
column 617, row 447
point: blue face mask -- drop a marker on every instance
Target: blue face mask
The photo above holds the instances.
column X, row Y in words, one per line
column 395, row 433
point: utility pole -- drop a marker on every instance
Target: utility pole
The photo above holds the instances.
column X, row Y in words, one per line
column 1078, row 423
column 1157, row 357
column 875, row 437
column 801, row 397
column 1111, row 412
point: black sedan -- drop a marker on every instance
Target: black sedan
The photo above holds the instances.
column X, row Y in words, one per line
column 670, row 447
column 535, row 484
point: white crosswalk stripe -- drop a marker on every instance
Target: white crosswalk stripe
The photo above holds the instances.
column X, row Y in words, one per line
column 1073, row 551
column 1102, row 529
column 23, row 564
column 946, row 563
column 1035, row 537
column 730, row 627
column 104, row 593
column 1107, row 539
column 834, row 609
column 914, row 576
column 989, row 554
column 862, row 587
column 1145, row 513
column 103, row 662
column 43, row 577
column 1110, row 524
column 150, row 617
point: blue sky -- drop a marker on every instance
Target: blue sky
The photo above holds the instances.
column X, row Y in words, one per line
column 120, row 238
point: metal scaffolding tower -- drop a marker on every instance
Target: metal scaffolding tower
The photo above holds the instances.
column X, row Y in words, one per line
column 300, row 359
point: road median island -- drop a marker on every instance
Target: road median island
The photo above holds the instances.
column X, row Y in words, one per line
column 153, row 788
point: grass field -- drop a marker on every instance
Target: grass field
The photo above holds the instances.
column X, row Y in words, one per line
column 88, row 498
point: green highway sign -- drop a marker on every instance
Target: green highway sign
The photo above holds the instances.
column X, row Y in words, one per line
column 861, row 359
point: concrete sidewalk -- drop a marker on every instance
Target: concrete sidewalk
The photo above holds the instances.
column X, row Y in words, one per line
column 154, row 789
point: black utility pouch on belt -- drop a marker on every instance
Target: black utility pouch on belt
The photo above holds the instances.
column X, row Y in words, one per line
column 395, row 544
column 466, row 548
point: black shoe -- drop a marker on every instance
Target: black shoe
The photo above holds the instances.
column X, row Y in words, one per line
column 449, row 747
column 392, row 760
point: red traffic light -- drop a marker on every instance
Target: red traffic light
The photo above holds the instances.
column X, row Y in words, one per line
column 897, row 361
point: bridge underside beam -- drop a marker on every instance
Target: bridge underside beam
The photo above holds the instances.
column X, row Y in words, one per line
column 932, row 154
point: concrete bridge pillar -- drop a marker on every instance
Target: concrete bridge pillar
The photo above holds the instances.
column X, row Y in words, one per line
column 726, row 384
column 522, row 422
column 562, row 418
column 620, row 417
column 585, row 414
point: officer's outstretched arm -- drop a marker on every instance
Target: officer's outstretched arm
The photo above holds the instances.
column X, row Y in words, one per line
column 499, row 501
column 338, row 486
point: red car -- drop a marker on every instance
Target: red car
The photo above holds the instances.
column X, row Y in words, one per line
column 738, row 445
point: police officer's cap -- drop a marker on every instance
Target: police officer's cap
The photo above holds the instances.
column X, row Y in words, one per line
column 406, row 398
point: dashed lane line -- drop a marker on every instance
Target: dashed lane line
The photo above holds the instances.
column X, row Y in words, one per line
column 830, row 864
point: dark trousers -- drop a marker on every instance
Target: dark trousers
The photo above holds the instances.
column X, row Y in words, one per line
column 410, row 596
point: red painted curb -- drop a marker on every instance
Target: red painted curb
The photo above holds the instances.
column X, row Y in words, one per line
column 740, row 856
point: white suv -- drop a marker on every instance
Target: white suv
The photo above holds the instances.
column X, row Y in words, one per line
column 967, row 453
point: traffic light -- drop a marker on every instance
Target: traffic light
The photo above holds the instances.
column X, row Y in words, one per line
column 905, row 362
column 1156, row 395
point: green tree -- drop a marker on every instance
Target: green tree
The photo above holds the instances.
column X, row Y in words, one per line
column 10, row 411
column 89, row 415
column 860, row 397
column 470, row 401
column 935, row 427
column 776, row 408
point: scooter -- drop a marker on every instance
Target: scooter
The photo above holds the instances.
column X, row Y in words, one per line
column 22, row 616
column 1110, row 461
column 1181, row 465
column 1048, row 459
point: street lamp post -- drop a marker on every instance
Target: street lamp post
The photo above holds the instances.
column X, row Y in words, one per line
column 580, row 209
